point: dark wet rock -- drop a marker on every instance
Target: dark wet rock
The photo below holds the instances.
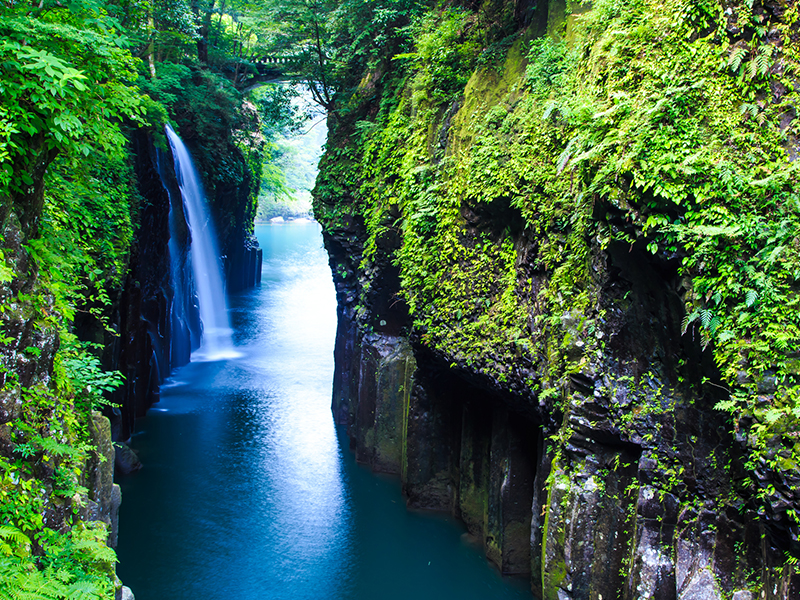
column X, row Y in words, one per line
column 633, row 484
column 640, row 500
column 155, row 316
column 101, row 470
column 125, row 459
column 104, row 496
column 116, row 501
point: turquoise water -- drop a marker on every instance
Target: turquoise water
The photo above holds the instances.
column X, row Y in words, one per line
column 249, row 491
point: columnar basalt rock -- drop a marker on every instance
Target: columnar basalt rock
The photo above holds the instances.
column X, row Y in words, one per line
column 585, row 450
column 144, row 350
column 587, row 518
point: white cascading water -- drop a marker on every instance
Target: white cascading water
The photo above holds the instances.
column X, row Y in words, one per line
column 217, row 342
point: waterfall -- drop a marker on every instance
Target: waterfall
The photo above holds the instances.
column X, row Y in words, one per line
column 217, row 343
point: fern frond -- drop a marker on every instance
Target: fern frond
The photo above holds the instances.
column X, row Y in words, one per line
column 687, row 320
column 9, row 533
column 81, row 590
column 714, row 325
column 764, row 59
column 752, row 68
column 565, row 156
column 736, row 57
column 705, row 339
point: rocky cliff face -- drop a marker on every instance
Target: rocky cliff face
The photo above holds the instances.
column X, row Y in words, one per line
column 630, row 485
column 535, row 372
column 56, row 454
column 157, row 311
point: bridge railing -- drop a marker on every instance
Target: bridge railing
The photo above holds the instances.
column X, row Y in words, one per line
column 275, row 60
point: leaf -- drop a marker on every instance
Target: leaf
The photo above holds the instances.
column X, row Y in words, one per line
column 7, row 532
column 687, row 320
column 726, row 335
column 736, row 57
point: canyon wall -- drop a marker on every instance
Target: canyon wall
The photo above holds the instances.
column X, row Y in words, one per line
column 156, row 313
column 520, row 342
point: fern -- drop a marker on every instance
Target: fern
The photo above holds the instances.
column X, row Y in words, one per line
column 752, row 68
column 549, row 109
column 688, row 320
column 764, row 59
column 726, row 336
column 705, row 317
column 748, row 108
column 714, row 325
column 84, row 589
column 705, row 338
column 566, row 155
column 12, row 534
column 736, row 57
column 22, row 581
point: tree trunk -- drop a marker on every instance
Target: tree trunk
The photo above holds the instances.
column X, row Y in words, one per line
column 202, row 40
column 151, row 25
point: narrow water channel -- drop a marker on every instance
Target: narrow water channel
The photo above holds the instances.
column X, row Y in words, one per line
column 250, row 492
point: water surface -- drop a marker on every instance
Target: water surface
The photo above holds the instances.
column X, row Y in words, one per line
column 249, row 492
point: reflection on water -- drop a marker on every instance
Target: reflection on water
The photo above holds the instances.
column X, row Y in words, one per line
column 248, row 493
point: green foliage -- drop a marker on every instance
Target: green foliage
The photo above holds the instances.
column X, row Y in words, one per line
column 74, row 566
column 445, row 54
column 331, row 44
column 547, row 62
column 64, row 87
column 649, row 128
column 294, row 135
column 84, row 374
column 85, row 233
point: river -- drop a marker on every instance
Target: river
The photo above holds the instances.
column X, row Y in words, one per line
column 249, row 491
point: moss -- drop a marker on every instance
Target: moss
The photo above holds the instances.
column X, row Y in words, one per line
column 487, row 88
column 649, row 126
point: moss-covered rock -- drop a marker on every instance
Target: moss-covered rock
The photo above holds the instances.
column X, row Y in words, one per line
column 596, row 233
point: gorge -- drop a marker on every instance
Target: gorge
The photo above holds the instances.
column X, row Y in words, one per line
column 244, row 451
column 563, row 240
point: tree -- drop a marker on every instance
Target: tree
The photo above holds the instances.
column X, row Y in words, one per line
column 65, row 87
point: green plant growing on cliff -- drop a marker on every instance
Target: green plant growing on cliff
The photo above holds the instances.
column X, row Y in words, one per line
column 548, row 61
column 69, row 566
column 56, row 97
column 652, row 129
column 67, row 198
column 84, row 374
column 445, row 54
